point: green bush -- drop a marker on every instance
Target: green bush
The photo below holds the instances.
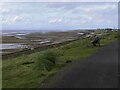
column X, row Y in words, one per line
column 50, row 56
column 46, row 61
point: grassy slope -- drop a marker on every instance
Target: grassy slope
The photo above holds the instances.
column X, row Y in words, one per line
column 16, row 75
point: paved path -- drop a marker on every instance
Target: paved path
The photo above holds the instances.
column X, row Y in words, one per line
column 97, row 71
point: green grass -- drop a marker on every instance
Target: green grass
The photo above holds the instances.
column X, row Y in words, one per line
column 46, row 61
column 16, row 74
column 0, row 73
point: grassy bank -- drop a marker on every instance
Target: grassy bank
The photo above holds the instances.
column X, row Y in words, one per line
column 30, row 71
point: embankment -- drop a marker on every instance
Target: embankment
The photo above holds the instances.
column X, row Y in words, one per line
column 36, row 49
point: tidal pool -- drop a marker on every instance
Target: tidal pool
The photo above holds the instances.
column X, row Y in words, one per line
column 12, row 46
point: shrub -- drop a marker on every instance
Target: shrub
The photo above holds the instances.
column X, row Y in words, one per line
column 68, row 61
column 50, row 56
column 116, row 36
column 46, row 61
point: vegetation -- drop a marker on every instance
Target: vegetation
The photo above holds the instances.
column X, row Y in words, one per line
column 46, row 61
column 30, row 71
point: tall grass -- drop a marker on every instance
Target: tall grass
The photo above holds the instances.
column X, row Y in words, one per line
column 46, row 61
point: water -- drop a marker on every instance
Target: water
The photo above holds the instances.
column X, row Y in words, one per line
column 12, row 46
column 14, row 33
column 19, row 32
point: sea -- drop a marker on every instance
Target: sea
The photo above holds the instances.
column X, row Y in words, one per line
column 14, row 32
column 19, row 34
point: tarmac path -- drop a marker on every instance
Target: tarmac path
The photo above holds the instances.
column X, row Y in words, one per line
column 97, row 71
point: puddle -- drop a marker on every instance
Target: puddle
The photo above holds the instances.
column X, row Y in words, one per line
column 12, row 46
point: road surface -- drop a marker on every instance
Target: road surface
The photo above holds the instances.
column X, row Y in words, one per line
column 97, row 71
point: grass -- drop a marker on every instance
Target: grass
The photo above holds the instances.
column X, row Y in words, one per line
column 46, row 61
column 21, row 73
column 0, row 74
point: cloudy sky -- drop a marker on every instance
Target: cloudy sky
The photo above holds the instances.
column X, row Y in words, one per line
column 64, row 15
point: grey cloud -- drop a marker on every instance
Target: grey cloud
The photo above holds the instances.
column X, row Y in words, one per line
column 65, row 5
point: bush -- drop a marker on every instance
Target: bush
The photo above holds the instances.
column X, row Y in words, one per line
column 46, row 61
column 50, row 56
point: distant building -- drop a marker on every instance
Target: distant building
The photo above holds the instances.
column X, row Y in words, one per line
column 108, row 30
column 81, row 34
column 105, row 30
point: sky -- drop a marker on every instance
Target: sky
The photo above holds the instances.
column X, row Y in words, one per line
column 58, row 15
column 59, row 0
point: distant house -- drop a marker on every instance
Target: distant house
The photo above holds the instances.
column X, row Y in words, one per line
column 104, row 30
column 108, row 30
column 81, row 34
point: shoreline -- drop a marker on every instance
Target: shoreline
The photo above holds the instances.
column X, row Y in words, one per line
column 34, row 39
